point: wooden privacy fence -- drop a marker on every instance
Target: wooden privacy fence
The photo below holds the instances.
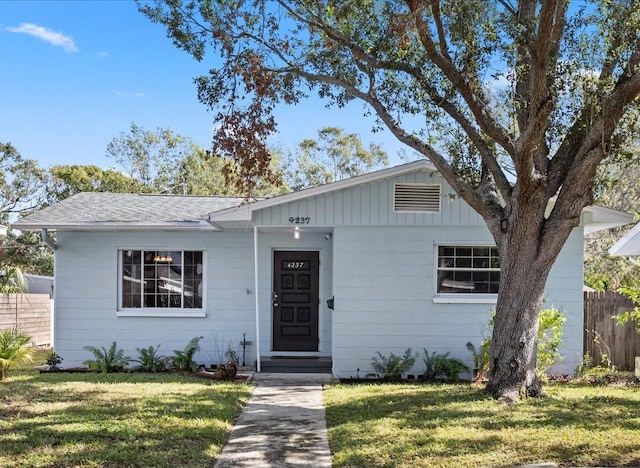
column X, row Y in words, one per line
column 30, row 312
column 602, row 336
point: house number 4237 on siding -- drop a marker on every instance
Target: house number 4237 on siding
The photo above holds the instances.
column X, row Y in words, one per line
column 299, row 220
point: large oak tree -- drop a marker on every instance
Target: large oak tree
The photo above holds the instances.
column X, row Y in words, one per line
column 516, row 103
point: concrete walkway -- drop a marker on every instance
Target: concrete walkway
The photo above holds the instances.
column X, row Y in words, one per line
column 282, row 425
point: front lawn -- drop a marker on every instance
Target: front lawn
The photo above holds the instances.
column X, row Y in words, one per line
column 115, row 420
column 435, row 425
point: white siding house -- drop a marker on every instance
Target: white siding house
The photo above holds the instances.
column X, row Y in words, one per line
column 404, row 262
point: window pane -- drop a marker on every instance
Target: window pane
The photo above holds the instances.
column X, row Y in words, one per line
column 131, row 278
column 193, row 280
column 481, row 251
column 161, row 278
column 444, row 251
column 468, row 270
column 463, row 251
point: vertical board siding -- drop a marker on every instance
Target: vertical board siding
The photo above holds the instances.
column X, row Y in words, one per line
column 604, row 340
column 29, row 312
column 372, row 205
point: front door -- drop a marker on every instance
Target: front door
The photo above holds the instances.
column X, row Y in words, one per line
column 295, row 301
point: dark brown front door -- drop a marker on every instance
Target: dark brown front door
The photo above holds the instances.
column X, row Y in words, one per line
column 295, row 301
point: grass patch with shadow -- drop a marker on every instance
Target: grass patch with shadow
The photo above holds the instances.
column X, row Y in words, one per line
column 444, row 425
column 115, row 420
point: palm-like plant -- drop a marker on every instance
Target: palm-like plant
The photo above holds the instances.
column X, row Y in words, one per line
column 183, row 360
column 15, row 348
column 150, row 360
column 107, row 360
column 12, row 280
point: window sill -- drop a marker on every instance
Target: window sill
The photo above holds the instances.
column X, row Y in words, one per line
column 190, row 313
column 466, row 299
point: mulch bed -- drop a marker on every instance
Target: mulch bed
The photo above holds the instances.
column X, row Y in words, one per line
column 200, row 375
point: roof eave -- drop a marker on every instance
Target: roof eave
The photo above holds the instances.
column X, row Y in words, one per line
column 598, row 218
column 117, row 226
column 629, row 244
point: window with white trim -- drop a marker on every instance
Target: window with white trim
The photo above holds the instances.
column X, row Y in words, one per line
column 466, row 269
column 161, row 279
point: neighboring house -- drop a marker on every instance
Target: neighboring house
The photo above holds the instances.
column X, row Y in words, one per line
column 39, row 284
column 627, row 245
column 378, row 263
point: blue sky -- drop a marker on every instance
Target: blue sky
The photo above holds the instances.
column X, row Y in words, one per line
column 75, row 74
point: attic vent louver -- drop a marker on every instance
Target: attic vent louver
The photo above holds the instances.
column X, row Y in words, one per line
column 416, row 198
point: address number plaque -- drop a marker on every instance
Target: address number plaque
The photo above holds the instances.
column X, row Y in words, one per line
column 299, row 220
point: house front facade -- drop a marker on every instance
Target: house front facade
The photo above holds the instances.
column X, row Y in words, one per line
column 334, row 274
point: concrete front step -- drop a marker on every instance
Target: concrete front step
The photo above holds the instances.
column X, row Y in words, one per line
column 308, row 365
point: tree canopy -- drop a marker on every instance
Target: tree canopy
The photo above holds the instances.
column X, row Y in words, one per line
column 516, row 103
column 68, row 180
column 616, row 187
column 21, row 183
column 334, row 155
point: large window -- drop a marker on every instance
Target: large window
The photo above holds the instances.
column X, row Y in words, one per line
column 468, row 269
column 161, row 279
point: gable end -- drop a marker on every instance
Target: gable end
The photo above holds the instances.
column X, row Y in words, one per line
column 416, row 198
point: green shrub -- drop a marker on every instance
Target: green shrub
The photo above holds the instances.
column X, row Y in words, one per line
column 634, row 315
column 588, row 368
column 150, row 360
column 53, row 361
column 106, row 361
column 15, row 348
column 393, row 367
column 480, row 358
column 442, row 367
column 550, row 324
column 12, row 280
column 183, row 360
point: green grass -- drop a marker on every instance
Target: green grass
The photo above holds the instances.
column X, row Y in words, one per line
column 114, row 420
column 390, row 425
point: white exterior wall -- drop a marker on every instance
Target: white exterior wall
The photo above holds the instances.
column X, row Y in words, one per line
column 385, row 290
column 564, row 291
column 86, row 295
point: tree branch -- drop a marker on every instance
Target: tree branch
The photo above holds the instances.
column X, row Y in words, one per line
column 539, row 51
column 360, row 55
column 477, row 108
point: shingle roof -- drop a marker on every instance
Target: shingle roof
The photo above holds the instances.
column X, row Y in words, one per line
column 93, row 209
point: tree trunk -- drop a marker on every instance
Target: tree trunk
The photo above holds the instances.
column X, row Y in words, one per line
column 527, row 254
column 515, row 335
